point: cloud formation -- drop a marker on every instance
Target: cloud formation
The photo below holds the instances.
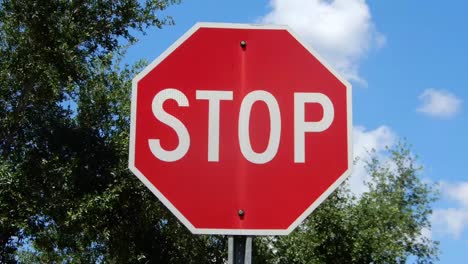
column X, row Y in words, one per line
column 365, row 141
column 439, row 103
column 342, row 31
column 452, row 221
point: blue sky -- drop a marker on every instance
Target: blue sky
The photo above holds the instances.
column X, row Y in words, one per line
column 408, row 63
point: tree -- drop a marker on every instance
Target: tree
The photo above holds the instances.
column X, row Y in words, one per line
column 66, row 194
column 384, row 225
column 65, row 188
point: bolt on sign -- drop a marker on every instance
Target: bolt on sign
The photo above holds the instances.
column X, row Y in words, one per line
column 240, row 129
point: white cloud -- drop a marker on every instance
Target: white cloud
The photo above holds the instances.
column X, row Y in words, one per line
column 426, row 233
column 451, row 221
column 365, row 141
column 439, row 103
column 454, row 220
column 341, row 31
column 457, row 192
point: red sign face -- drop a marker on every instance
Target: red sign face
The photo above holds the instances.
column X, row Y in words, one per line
column 240, row 129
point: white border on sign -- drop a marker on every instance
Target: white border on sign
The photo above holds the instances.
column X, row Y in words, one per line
column 167, row 203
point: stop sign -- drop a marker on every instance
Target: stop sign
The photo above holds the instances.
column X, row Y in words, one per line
column 240, row 129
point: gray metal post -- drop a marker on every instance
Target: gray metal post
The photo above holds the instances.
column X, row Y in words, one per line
column 240, row 250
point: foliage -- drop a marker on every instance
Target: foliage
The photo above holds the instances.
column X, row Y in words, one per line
column 384, row 225
column 64, row 105
column 66, row 194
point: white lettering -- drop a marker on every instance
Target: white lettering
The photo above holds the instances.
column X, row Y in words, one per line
column 214, row 98
column 301, row 126
column 173, row 122
column 275, row 127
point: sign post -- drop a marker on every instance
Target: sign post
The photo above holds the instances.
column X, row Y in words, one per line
column 240, row 249
column 240, row 130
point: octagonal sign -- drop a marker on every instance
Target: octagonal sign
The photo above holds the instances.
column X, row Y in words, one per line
column 240, row 129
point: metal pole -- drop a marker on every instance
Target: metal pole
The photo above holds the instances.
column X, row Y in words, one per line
column 240, row 250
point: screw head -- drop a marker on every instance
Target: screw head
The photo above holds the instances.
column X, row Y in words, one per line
column 243, row 43
column 241, row 213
